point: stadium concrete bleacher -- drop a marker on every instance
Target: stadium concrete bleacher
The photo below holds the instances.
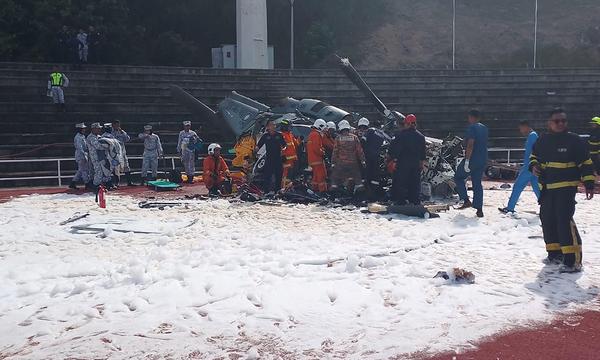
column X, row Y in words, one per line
column 138, row 95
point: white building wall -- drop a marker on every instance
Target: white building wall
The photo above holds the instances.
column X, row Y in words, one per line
column 252, row 50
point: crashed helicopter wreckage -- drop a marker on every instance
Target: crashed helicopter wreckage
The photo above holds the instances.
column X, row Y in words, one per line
column 244, row 118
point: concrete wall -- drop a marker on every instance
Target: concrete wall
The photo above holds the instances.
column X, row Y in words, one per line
column 252, row 39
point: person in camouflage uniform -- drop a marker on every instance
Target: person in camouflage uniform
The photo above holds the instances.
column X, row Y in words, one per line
column 81, row 157
column 123, row 138
column 186, row 148
column 97, row 153
column 152, row 151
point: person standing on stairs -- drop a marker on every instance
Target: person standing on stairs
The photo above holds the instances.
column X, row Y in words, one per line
column 56, row 82
column 82, row 46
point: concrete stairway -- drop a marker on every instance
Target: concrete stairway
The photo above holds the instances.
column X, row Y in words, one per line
column 140, row 95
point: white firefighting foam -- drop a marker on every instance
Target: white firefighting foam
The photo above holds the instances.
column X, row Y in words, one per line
column 262, row 281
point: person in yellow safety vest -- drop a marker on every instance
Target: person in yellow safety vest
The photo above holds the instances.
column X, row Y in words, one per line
column 244, row 151
column 290, row 154
column 56, row 82
column 594, row 143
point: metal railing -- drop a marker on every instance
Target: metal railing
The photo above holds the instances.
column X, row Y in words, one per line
column 60, row 175
column 59, row 172
column 508, row 152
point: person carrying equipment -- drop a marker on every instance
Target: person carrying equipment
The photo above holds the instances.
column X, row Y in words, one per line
column 316, row 156
column 275, row 145
column 215, row 172
column 594, row 143
column 122, row 137
column 186, row 149
column 408, row 151
column 107, row 134
column 98, row 158
column 347, row 160
column 56, row 82
column 474, row 164
column 525, row 176
column 152, row 151
column 290, row 153
column 81, row 157
column 561, row 161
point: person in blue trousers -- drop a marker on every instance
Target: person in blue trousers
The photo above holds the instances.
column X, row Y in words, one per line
column 525, row 176
column 473, row 166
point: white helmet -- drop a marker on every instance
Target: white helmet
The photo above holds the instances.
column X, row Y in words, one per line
column 363, row 122
column 320, row 124
column 344, row 125
column 331, row 125
column 212, row 147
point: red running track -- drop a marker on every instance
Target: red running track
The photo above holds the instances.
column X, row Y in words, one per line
column 142, row 192
column 576, row 337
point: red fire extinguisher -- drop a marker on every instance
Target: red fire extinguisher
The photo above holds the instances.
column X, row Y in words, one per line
column 101, row 197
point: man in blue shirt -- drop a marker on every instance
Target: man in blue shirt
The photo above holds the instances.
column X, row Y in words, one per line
column 474, row 164
column 525, row 176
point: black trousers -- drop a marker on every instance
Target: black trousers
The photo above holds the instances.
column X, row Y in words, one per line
column 406, row 185
column 272, row 173
column 561, row 236
column 372, row 170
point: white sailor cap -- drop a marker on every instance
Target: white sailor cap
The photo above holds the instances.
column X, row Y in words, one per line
column 147, row 127
column 96, row 126
column 80, row 126
column 187, row 123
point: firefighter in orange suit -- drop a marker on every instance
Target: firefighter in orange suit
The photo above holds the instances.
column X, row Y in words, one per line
column 215, row 171
column 290, row 153
column 316, row 156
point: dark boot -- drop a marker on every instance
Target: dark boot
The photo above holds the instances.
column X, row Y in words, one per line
column 110, row 186
column 190, row 180
column 465, row 205
column 72, row 185
column 128, row 178
column 90, row 186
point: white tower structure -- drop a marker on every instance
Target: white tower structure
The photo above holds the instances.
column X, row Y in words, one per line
column 252, row 49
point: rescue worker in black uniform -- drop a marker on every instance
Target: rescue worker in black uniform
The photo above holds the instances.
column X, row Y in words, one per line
column 408, row 151
column 561, row 160
column 372, row 140
column 273, row 169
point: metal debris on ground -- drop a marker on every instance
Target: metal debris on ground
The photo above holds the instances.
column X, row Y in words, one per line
column 457, row 275
column 74, row 218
